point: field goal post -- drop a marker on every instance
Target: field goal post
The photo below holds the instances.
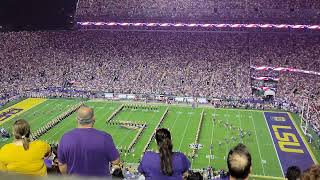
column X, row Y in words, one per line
column 305, row 116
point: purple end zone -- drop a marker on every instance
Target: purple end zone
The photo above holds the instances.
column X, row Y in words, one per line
column 289, row 145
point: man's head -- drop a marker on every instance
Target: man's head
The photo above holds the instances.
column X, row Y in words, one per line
column 85, row 116
column 239, row 162
column 293, row 173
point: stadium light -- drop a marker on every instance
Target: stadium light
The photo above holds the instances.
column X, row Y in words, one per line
column 199, row 25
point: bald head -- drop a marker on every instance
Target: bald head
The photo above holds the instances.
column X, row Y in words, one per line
column 85, row 115
column 239, row 162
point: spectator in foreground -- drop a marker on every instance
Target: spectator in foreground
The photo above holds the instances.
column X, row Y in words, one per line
column 86, row 151
column 23, row 156
column 166, row 164
column 293, row 173
column 313, row 173
column 239, row 163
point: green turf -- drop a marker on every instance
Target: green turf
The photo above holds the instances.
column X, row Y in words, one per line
column 41, row 114
column 182, row 121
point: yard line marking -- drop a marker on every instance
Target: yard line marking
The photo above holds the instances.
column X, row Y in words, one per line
column 108, row 111
column 27, row 117
column 124, row 137
column 24, row 105
column 52, row 116
column 274, row 146
column 58, row 131
column 185, row 130
column 33, row 122
column 104, row 124
column 240, row 124
column 228, row 147
column 120, row 144
column 201, row 119
column 52, row 102
column 255, row 132
column 63, row 128
column 175, row 120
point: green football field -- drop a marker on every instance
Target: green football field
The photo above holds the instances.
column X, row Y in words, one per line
column 219, row 130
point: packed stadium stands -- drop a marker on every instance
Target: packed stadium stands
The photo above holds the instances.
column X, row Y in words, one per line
column 255, row 11
column 183, row 64
column 211, row 65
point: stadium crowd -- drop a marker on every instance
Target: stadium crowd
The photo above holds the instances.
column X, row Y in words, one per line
column 256, row 11
column 302, row 89
column 211, row 65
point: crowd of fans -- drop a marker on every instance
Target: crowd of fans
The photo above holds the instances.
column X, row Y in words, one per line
column 212, row 65
column 299, row 51
column 300, row 89
column 126, row 63
column 257, row 10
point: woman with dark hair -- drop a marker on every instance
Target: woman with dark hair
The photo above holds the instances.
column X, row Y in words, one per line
column 165, row 164
column 23, row 156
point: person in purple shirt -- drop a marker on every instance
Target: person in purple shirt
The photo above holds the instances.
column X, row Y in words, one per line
column 85, row 151
column 165, row 165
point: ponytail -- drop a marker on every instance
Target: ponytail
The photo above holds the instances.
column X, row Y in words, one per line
column 165, row 150
column 21, row 131
column 25, row 142
column 163, row 138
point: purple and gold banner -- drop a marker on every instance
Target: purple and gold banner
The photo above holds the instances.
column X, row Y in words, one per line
column 289, row 145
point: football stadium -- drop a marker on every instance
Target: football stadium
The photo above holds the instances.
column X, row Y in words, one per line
column 160, row 89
